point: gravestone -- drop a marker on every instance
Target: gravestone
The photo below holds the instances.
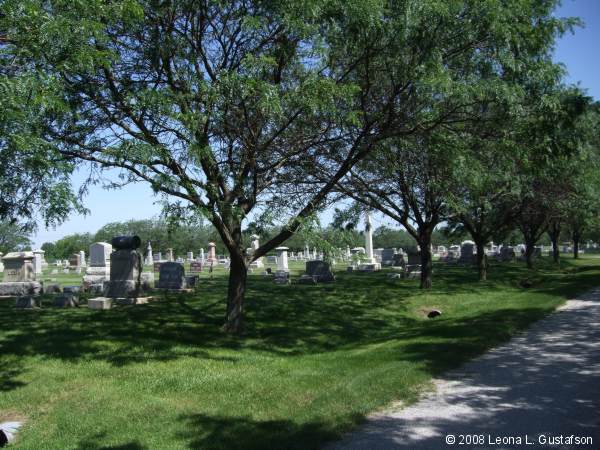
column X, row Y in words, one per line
column 99, row 269
column 75, row 260
column 125, row 268
column 82, row 262
column 191, row 281
column 387, row 256
column 466, row 253
column 172, row 276
column 149, row 257
column 195, row 267
column 212, row 252
column 66, row 301
column 37, row 263
column 27, row 302
column 282, row 259
column 170, row 254
column 507, row 254
column 19, row 276
column 318, row 271
column 157, row 266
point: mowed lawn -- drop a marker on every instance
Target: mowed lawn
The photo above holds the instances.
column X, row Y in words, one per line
column 313, row 362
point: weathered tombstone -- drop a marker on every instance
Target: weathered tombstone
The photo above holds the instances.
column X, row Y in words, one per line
column 27, row 302
column 149, row 257
column 74, row 260
column 37, row 263
column 191, row 281
column 66, row 301
column 195, row 267
column 99, row 303
column 467, row 255
column 319, row 271
column 72, row 289
column 99, row 269
column 170, row 254
column 172, row 276
column 258, row 263
column 190, row 256
column 157, row 266
column 399, row 260
column 387, row 256
column 82, row 262
column 212, row 252
column 282, row 259
column 125, row 268
column 19, row 276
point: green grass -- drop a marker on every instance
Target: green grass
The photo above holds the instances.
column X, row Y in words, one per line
column 314, row 361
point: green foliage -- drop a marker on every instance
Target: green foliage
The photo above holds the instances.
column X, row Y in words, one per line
column 13, row 237
column 64, row 248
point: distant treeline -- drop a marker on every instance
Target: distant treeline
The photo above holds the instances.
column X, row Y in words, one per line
column 185, row 238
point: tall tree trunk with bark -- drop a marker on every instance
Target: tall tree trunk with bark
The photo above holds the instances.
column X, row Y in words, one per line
column 236, row 291
column 529, row 246
column 554, row 233
column 576, row 240
column 426, row 259
column 481, row 259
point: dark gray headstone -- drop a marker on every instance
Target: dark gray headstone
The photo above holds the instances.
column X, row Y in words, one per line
column 191, row 280
column 172, row 276
column 66, row 301
column 125, row 270
column 72, row 289
column 414, row 259
column 399, row 260
column 320, row 271
column 26, row 302
column 387, row 256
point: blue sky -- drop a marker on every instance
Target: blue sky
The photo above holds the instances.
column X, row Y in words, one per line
column 578, row 51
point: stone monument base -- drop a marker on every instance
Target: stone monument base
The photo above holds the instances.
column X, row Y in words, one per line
column 371, row 267
column 20, row 288
column 121, row 289
column 99, row 303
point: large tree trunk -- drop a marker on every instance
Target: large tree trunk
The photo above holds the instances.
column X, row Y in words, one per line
column 481, row 260
column 529, row 245
column 426, row 260
column 238, row 272
column 576, row 239
column 554, row 233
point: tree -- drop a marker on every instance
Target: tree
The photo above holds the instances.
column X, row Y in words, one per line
column 13, row 237
column 221, row 106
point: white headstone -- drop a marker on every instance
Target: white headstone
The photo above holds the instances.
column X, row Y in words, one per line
column 282, row 259
column 169, row 254
column 82, row 262
column 37, row 263
column 149, row 257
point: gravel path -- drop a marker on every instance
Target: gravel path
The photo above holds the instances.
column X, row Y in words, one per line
column 539, row 388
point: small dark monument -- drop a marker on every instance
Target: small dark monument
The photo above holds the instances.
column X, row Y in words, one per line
column 172, row 276
column 399, row 260
column 388, row 256
column 281, row 277
column 191, row 281
column 125, row 268
column 156, row 267
column 317, row 272
column 66, row 301
column 195, row 267
column 27, row 302
column 72, row 289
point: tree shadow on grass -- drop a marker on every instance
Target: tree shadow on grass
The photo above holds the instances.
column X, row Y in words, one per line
column 357, row 310
column 243, row 433
column 92, row 443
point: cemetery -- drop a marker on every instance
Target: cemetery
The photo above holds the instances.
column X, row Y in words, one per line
column 299, row 225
